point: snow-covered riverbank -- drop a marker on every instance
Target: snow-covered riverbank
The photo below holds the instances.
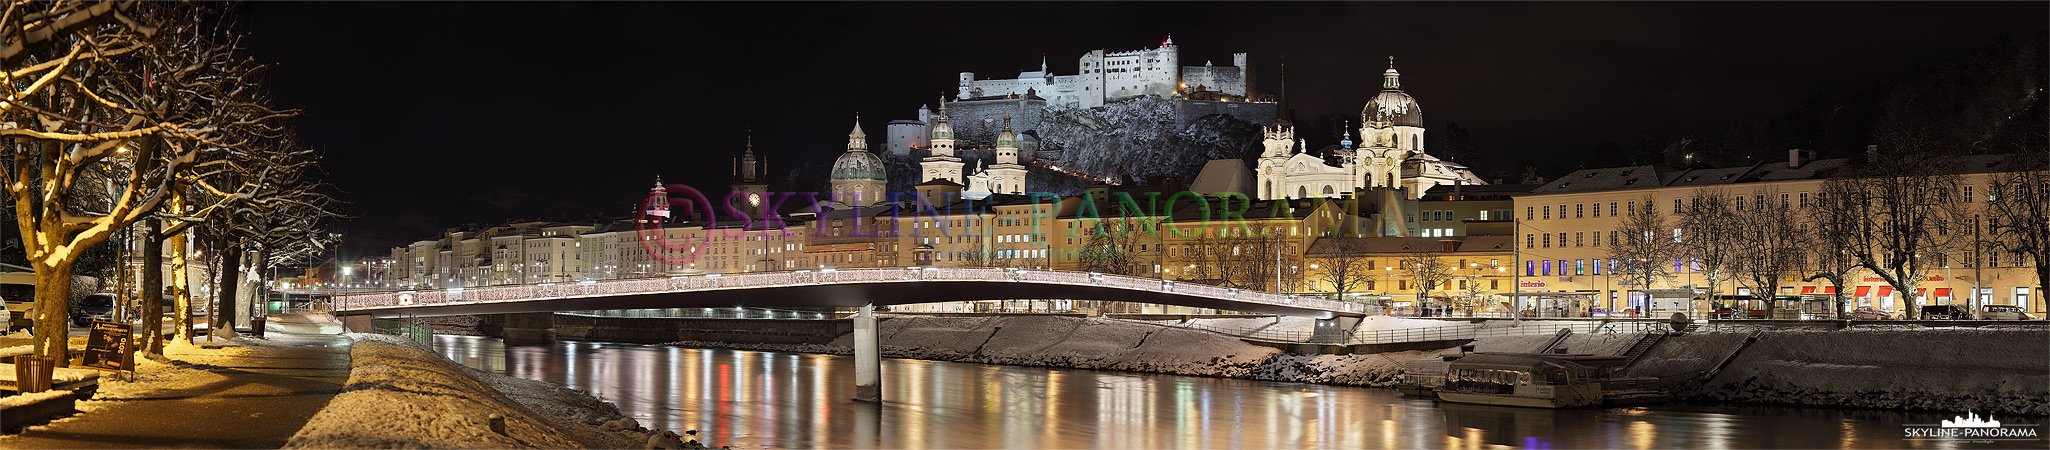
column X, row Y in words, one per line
column 2000, row 370
column 401, row 395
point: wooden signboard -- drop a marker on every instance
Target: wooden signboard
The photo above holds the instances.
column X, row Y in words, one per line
column 106, row 347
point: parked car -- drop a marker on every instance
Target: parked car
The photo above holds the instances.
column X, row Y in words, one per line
column 1869, row 313
column 2003, row 312
column 1946, row 312
column 93, row 307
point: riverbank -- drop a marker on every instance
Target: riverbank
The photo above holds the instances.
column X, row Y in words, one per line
column 400, row 394
column 2005, row 371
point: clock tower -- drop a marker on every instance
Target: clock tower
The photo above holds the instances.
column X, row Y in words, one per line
column 747, row 179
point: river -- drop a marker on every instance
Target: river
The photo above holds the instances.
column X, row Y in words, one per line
column 751, row 399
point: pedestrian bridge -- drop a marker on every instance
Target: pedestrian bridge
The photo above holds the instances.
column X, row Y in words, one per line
column 828, row 288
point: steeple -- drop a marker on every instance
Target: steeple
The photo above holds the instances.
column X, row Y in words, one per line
column 1390, row 79
column 857, row 141
column 1346, row 144
column 748, row 168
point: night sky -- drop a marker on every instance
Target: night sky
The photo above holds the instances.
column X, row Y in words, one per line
column 439, row 114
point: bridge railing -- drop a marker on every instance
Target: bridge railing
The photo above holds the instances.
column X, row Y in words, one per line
column 1472, row 331
column 774, row 279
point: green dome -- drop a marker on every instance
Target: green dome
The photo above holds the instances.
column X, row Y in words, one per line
column 858, row 165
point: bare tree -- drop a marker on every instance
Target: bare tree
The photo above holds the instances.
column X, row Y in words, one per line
column 141, row 89
column 1340, row 263
column 1472, row 294
column 1427, row 270
column 1113, row 245
column 2018, row 214
column 1768, row 245
column 1644, row 246
column 1709, row 234
column 1907, row 198
column 1834, row 233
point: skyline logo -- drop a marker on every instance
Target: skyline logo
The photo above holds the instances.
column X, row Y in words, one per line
column 1971, row 428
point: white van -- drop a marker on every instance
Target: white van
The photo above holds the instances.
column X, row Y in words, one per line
column 18, row 290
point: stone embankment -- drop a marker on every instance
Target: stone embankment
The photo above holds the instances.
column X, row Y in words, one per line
column 2004, row 371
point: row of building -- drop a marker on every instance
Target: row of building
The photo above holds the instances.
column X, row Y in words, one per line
column 1282, row 225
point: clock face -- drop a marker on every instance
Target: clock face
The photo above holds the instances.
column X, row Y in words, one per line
column 754, row 199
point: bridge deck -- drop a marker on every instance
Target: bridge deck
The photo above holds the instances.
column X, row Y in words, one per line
column 836, row 288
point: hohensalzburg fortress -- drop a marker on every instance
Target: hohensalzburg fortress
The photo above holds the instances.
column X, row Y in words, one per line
column 1113, row 76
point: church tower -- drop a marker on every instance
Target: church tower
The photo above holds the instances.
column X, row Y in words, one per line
column 1391, row 130
column 747, row 179
column 940, row 163
column 858, row 177
column 1272, row 179
column 1007, row 176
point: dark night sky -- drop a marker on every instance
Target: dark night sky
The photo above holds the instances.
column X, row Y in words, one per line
column 438, row 114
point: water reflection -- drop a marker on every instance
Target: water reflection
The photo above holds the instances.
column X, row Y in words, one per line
column 782, row 400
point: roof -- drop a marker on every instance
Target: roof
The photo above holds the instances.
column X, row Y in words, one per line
column 1641, row 177
column 1223, row 175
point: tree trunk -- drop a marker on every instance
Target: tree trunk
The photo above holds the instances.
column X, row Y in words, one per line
column 53, row 307
column 153, row 287
column 181, row 294
column 231, row 277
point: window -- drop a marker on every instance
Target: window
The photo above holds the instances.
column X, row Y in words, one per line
column 1494, row 284
column 1580, row 267
column 1579, row 208
column 1529, row 213
column 1562, row 239
column 1579, row 238
column 1740, row 203
column 2021, row 297
column 1597, row 267
column 1784, row 200
column 1968, row 193
column 1529, row 240
column 1676, row 206
column 1370, row 285
column 1402, row 285
column 1548, row 212
column 1529, row 268
column 1598, row 210
column 1804, row 199
column 1547, row 268
column 1597, row 238
column 1548, row 240
column 1632, row 207
column 1676, row 235
column 1612, row 209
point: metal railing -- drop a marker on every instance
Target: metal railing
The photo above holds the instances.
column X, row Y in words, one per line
column 406, row 328
column 523, row 292
column 1472, row 331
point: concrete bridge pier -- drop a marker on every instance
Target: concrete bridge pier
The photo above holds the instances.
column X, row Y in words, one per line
column 868, row 360
column 534, row 328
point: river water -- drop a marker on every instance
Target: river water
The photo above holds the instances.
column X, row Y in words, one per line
column 750, row 399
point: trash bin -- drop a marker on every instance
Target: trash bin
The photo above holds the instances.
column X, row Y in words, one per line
column 256, row 326
column 32, row 373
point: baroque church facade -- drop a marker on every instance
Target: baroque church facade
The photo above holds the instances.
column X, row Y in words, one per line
column 1390, row 154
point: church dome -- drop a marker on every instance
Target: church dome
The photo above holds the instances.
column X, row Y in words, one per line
column 858, row 165
column 1392, row 106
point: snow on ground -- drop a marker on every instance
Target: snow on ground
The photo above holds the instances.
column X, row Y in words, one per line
column 28, row 399
column 1377, row 323
column 401, row 395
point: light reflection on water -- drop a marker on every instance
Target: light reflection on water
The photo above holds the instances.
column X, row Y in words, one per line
column 786, row 400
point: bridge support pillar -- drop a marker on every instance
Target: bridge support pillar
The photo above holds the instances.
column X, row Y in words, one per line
column 868, row 358
column 529, row 328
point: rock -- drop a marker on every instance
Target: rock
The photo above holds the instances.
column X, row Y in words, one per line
column 664, row 440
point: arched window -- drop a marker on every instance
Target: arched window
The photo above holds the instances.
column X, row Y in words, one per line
column 1302, row 192
column 1269, row 191
column 1327, row 189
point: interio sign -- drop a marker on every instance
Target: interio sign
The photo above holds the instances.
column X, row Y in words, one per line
column 1532, row 284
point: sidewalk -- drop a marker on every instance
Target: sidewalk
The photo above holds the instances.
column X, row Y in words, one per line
column 253, row 393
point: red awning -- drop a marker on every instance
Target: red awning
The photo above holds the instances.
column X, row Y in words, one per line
column 1807, row 289
column 1921, row 291
column 1885, row 291
column 1829, row 289
column 1863, row 291
column 1942, row 292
